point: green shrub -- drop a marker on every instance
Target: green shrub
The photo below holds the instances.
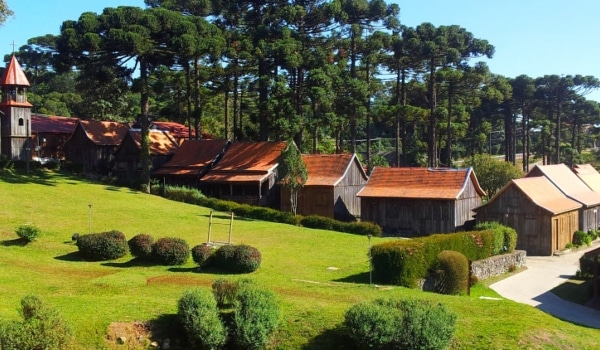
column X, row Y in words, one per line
column 246, row 258
column 580, row 238
column 223, row 258
column 426, row 325
column 316, row 221
column 28, row 232
column 373, row 325
column 108, row 245
column 399, row 262
column 140, row 246
column 593, row 234
column 452, row 273
column 505, row 238
column 42, row 328
column 170, row 251
column 586, row 266
column 201, row 253
column 224, row 291
column 199, row 317
column 256, row 317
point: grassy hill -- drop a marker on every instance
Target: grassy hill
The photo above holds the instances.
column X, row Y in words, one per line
column 317, row 275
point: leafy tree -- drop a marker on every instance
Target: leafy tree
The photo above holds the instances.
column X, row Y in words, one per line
column 292, row 172
column 5, row 12
column 492, row 173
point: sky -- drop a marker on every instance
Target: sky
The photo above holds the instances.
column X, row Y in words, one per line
column 532, row 37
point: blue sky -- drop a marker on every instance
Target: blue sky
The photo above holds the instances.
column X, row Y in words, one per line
column 532, row 37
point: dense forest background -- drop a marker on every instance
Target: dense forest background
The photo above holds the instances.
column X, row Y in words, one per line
column 334, row 76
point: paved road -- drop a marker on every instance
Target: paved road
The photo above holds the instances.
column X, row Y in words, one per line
column 532, row 286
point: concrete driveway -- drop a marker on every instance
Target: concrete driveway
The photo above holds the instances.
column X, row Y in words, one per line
column 532, row 286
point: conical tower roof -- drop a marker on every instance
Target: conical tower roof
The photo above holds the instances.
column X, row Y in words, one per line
column 14, row 75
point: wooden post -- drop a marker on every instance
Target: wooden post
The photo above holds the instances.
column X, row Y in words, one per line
column 209, row 225
column 230, row 227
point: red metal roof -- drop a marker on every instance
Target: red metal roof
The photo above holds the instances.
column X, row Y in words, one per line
column 437, row 183
column 52, row 124
column 246, row 162
column 161, row 143
column 178, row 131
column 104, row 133
column 13, row 74
column 328, row 169
column 192, row 157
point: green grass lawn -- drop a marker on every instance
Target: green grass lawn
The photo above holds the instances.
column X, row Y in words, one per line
column 297, row 265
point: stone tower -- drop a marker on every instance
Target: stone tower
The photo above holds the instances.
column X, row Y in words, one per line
column 15, row 113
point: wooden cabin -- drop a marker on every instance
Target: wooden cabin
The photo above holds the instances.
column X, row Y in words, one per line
column 49, row 134
column 421, row 201
column 93, row 144
column 571, row 186
column 127, row 157
column 543, row 217
column 191, row 162
column 589, row 175
column 177, row 131
column 331, row 188
column 247, row 173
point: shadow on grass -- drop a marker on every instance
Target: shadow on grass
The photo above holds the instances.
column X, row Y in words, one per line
column 22, row 177
column 19, row 242
column 136, row 262
column 166, row 326
column 73, row 256
column 329, row 339
column 360, row 278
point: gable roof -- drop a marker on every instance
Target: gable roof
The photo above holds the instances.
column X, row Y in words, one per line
column 104, row 133
column 178, row 131
column 13, row 74
column 52, row 124
column 247, row 162
column 329, row 169
column 193, row 157
column 161, row 143
column 541, row 192
column 589, row 175
column 409, row 182
column 567, row 182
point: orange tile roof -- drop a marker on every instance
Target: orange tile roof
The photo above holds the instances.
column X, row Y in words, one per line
column 567, row 182
column 161, row 143
column 104, row 133
column 328, row 169
column 589, row 175
column 177, row 130
column 438, row 183
column 13, row 74
column 543, row 193
column 193, row 157
column 52, row 124
column 246, row 162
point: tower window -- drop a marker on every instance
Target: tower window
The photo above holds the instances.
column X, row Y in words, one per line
column 20, row 121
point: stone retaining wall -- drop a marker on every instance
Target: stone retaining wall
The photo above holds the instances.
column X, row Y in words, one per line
column 499, row 264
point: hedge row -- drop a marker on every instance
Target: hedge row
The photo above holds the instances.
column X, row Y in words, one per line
column 194, row 196
column 102, row 246
column 406, row 262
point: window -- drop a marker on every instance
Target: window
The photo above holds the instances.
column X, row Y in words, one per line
column 21, row 122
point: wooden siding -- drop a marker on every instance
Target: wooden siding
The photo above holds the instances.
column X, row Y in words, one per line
column 539, row 232
column 16, row 125
column 253, row 193
column 79, row 149
column 589, row 218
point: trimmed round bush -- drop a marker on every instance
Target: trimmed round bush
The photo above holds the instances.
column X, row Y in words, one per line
column 256, row 317
column 201, row 253
column 140, row 246
column 372, row 325
column 452, row 274
column 170, row 251
column 199, row 316
column 223, row 257
column 28, row 232
column 102, row 246
column 246, row 258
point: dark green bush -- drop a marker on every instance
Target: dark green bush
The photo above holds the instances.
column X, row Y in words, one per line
column 360, row 228
column 586, row 266
column 108, row 245
column 451, row 273
column 140, row 246
column 373, row 325
column 201, row 254
column 256, row 317
column 199, row 317
column 223, row 258
column 170, row 251
column 315, row 221
column 28, row 232
column 246, row 258
column 593, row 235
column 399, row 262
column 505, row 238
column 42, row 328
column 580, row 238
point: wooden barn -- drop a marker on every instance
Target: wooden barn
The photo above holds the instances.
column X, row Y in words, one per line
column 127, row 157
column 571, row 186
column 331, row 188
column 420, row 201
column 93, row 144
column 49, row 134
column 589, row 175
column 247, row 173
column 543, row 217
column 193, row 160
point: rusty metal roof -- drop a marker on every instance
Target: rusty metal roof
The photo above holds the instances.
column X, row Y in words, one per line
column 543, row 193
column 329, row 169
column 13, row 74
column 589, row 175
column 567, row 182
column 193, row 157
column 104, row 133
column 52, row 124
column 178, row 131
column 409, row 182
column 246, row 162
column 161, row 143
